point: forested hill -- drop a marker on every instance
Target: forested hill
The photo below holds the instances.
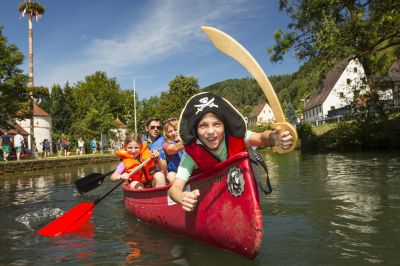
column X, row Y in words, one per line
column 246, row 93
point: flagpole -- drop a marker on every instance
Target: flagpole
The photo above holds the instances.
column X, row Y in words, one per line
column 134, row 102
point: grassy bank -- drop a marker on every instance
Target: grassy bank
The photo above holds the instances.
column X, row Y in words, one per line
column 351, row 135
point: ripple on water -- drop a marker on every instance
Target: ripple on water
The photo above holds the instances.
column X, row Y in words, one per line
column 33, row 219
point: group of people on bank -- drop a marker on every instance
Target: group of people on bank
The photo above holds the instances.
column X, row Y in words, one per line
column 66, row 146
column 209, row 131
column 16, row 146
column 7, row 143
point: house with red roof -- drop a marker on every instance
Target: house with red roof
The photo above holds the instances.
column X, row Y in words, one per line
column 335, row 91
column 42, row 126
column 261, row 114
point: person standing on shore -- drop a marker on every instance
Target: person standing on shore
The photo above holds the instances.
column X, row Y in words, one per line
column 59, row 147
column 80, row 147
column 93, row 145
column 67, row 147
column 46, row 148
column 6, row 141
column 18, row 144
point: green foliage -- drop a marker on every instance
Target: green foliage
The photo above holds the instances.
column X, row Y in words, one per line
column 307, row 138
column 181, row 88
column 260, row 128
column 68, row 108
column 241, row 93
column 13, row 92
column 126, row 108
column 353, row 135
column 150, row 108
column 332, row 30
column 57, row 112
column 96, row 102
column 291, row 114
column 41, row 97
column 31, row 8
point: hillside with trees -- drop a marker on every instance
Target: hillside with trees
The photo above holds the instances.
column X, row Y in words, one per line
column 291, row 89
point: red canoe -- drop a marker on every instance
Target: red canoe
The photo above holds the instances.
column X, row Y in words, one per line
column 228, row 213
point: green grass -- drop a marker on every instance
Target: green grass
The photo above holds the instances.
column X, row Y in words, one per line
column 322, row 129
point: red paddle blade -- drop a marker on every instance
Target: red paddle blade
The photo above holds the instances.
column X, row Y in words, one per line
column 70, row 221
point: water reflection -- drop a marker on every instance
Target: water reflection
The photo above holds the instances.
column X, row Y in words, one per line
column 346, row 201
column 324, row 209
column 77, row 246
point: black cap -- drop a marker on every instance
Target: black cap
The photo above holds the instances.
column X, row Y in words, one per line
column 206, row 102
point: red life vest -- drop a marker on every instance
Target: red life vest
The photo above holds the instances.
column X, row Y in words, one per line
column 144, row 175
column 205, row 160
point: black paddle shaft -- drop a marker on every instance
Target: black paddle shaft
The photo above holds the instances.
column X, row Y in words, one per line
column 108, row 192
column 90, row 182
column 122, row 181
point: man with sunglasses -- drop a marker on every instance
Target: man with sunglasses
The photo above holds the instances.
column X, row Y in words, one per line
column 155, row 141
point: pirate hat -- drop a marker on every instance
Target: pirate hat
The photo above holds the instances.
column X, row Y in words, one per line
column 205, row 102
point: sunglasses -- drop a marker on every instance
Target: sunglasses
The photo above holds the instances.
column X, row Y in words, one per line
column 155, row 127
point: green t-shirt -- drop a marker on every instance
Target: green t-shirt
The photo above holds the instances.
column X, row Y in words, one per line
column 187, row 164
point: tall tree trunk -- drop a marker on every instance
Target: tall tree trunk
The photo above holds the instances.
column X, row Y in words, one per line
column 30, row 82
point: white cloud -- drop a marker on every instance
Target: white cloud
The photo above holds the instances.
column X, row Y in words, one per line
column 168, row 28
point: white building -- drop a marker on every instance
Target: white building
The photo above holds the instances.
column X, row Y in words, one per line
column 119, row 131
column 261, row 114
column 335, row 91
column 42, row 126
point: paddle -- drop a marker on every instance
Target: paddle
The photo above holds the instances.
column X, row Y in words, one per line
column 234, row 49
column 90, row 182
column 73, row 219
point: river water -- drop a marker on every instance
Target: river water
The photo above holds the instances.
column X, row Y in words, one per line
column 325, row 209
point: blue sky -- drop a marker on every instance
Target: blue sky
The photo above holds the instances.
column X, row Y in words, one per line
column 149, row 41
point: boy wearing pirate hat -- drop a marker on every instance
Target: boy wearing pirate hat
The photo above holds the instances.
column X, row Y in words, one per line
column 213, row 130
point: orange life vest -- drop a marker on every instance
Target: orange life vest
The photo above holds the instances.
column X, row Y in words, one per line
column 144, row 175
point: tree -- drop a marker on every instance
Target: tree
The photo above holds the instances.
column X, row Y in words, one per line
column 41, row 96
column 13, row 93
column 96, row 100
column 171, row 103
column 291, row 114
column 57, row 98
column 68, row 108
column 332, row 30
column 149, row 108
column 181, row 88
column 33, row 10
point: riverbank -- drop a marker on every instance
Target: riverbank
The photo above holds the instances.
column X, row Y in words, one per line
column 29, row 165
column 352, row 135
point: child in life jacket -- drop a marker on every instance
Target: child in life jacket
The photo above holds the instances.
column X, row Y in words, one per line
column 134, row 153
column 212, row 130
column 172, row 147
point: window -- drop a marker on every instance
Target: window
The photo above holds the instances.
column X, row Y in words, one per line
column 332, row 107
column 341, row 95
column 355, row 70
column 348, row 81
